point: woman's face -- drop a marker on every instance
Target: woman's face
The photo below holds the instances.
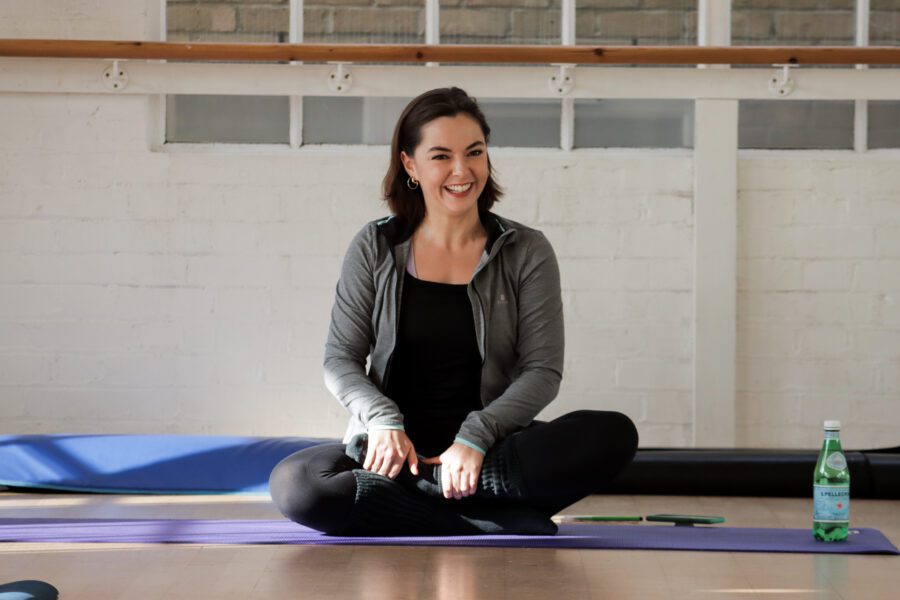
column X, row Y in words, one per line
column 450, row 164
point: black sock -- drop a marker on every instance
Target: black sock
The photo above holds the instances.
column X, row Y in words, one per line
column 385, row 507
column 500, row 476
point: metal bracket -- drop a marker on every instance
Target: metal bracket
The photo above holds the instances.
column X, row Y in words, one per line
column 781, row 83
column 562, row 82
column 340, row 80
column 115, row 77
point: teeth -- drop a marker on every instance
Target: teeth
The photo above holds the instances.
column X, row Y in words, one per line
column 459, row 188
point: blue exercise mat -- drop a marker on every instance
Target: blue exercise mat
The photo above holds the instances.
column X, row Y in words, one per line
column 29, row 589
column 166, row 464
column 635, row 537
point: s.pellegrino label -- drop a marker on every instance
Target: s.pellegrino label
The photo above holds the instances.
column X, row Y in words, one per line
column 831, row 503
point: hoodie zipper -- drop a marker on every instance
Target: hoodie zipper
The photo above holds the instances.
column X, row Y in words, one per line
column 482, row 338
column 398, row 296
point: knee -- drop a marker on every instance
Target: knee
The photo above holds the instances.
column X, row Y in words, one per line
column 286, row 485
column 309, row 497
column 614, row 431
column 628, row 434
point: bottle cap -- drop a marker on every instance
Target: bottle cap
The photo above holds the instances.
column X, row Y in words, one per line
column 833, row 425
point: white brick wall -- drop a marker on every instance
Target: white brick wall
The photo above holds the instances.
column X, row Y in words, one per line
column 189, row 292
column 819, row 282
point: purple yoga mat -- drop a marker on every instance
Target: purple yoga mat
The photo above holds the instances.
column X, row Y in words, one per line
column 635, row 537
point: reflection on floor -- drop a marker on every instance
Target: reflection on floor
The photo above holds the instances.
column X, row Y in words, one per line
column 159, row 572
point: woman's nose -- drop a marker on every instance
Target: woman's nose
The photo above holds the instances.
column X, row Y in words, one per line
column 458, row 166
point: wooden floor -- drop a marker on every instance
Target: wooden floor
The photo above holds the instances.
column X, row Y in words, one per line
column 159, row 572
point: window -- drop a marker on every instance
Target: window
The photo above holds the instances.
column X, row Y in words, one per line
column 643, row 123
column 794, row 124
column 227, row 119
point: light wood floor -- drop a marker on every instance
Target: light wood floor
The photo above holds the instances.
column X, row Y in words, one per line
column 160, row 572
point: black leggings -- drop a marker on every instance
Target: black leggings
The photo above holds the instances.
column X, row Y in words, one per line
column 561, row 462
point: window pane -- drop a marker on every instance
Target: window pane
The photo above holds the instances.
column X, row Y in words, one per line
column 799, row 124
column 524, row 123
column 261, row 21
column 364, row 21
column 884, row 124
column 634, row 123
column 884, row 22
column 795, row 124
column 884, row 116
column 227, row 119
column 793, row 23
column 660, row 23
column 500, row 22
column 369, row 121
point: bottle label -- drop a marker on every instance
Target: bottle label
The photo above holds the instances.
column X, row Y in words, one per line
column 836, row 461
column 831, row 503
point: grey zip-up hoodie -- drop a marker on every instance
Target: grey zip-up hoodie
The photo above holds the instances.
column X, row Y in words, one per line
column 517, row 306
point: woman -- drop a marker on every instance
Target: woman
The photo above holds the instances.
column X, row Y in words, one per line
column 459, row 313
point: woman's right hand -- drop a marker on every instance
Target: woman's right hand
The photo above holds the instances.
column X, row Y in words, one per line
column 388, row 449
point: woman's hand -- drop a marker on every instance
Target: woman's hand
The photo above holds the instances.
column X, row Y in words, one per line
column 387, row 451
column 461, row 467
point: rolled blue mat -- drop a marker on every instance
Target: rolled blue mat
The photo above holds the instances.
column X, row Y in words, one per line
column 28, row 590
column 166, row 464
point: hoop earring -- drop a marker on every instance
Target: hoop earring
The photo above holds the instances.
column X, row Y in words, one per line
column 409, row 183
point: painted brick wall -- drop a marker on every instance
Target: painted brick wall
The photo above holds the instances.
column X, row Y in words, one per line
column 189, row 293
column 185, row 292
column 819, row 299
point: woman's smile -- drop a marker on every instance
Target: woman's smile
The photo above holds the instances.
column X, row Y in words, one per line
column 459, row 190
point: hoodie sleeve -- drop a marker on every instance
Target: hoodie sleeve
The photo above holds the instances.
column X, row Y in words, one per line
column 540, row 349
column 351, row 336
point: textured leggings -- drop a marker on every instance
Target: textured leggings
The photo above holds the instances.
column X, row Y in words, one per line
column 561, row 462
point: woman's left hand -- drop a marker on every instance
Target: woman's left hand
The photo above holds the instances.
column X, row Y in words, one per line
column 461, row 467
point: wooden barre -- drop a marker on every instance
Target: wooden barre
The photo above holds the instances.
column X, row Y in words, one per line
column 406, row 53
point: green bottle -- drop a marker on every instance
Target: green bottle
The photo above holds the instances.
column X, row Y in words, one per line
column 831, row 488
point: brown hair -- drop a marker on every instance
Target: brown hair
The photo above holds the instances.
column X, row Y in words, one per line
column 441, row 102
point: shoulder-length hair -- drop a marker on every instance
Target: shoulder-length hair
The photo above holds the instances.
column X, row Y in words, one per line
column 442, row 102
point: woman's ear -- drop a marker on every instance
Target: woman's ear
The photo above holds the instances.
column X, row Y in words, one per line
column 408, row 164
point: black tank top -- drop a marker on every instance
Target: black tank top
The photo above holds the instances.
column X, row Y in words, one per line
column 435, row 374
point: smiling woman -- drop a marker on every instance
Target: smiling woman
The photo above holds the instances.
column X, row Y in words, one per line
column 458, row 314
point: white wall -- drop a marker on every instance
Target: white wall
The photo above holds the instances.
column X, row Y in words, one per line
column 819, row 298
column 189, row 292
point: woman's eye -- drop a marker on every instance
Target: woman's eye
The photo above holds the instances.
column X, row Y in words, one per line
column 438, row 156
column 475, row 153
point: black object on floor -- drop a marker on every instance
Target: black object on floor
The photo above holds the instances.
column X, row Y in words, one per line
column 749, row 472
column 30, row 589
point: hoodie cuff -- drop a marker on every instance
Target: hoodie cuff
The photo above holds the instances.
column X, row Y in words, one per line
column 472, row 445
column 380, row 426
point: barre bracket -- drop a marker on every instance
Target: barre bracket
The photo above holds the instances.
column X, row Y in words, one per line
column 115, row 77
column 781, row 83
column 563, row 82
column 340, row 80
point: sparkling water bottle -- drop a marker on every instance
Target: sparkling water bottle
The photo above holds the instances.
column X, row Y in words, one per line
column 831, row 488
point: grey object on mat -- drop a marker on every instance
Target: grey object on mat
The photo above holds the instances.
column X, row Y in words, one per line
column 635, row 537
column 30, row 589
